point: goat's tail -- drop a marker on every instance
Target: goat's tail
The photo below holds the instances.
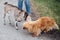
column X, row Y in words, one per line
column 5, row 3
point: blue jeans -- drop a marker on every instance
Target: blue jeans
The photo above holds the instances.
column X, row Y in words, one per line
column 27, row 4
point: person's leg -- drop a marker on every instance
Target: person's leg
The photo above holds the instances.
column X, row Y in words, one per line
column 27, row 4
column 20, row 4
column 27, row 13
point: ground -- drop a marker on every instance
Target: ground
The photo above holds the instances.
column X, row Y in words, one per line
column 8, row 32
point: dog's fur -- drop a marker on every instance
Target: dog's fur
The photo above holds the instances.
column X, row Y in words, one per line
column 42, row 24
column 9, row 8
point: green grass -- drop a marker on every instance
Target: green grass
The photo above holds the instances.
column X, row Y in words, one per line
column 49, row 8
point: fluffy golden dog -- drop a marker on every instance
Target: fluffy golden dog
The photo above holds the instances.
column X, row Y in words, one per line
column 43, row 23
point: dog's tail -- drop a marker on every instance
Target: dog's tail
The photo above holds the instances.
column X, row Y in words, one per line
column 5, row 3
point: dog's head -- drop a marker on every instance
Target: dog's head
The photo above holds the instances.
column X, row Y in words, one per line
column 27, row 26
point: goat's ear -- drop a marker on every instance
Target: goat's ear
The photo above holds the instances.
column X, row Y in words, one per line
column 19, row 12
column 22, row 10
column 28, row 18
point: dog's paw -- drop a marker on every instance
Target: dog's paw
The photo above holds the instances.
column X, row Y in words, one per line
column 34, row 34
column 45, row 31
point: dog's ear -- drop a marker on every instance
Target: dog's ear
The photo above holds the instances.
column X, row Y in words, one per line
column 32, row 24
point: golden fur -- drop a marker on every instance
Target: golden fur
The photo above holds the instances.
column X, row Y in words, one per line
column 43, row 23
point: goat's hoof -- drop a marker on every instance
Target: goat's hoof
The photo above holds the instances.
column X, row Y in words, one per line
column 16, row 28
column 4, row 24
column 9, row 23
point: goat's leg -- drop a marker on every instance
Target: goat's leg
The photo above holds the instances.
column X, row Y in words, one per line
column 4, row 15
column 9, row 18
column 4, row 19
column 16, row 25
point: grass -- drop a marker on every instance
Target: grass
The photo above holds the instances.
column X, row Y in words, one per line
column 49, row 8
